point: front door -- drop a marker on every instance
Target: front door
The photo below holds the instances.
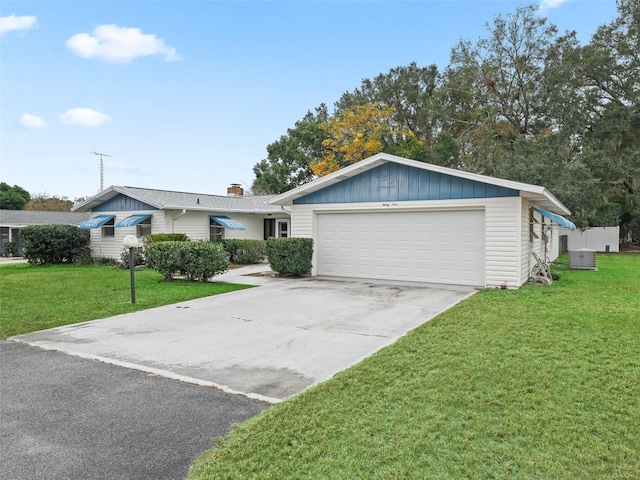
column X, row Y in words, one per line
column 269, row 228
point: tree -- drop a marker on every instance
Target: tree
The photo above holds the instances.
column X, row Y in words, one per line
column 522, row 103
column 596, row 106
column 288, row 159
column 44, row 203
column 358, row 133
column 495, row 90
column 508, row 66
column 611, row 76
column 13, row 198
column 411, row 91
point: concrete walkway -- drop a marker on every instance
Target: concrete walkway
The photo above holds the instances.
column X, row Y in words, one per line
column 4, row 260
column 268, row 342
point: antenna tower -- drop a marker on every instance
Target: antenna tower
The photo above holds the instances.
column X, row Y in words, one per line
column 101, row 168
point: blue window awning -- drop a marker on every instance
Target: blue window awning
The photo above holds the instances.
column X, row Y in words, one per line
column 96, row 222
column 556, row 218
column 132, row 220
column 227, row 222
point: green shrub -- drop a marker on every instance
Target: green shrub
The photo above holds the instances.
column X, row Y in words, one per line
column 10, row 248
column 290, row 256
column 86, row 259
column 245, row 252
column 138, row 257
column 50, row 244
column 164, row 237
column 105, row 261
column 164, row 258
column 197, row 261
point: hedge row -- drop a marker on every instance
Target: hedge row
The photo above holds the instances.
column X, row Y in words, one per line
column 164, row 237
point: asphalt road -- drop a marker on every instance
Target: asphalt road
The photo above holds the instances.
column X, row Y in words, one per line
column 65, row 417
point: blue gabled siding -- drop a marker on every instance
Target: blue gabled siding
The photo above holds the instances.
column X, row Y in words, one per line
column 122, row 203
column 394, row 182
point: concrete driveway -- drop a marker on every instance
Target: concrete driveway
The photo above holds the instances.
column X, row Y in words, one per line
column 268, row 342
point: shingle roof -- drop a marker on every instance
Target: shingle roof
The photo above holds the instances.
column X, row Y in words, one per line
column 166, row 199
column 21, row 218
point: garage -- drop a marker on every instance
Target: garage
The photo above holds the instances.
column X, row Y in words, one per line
column 393, row 218
column 418, row 246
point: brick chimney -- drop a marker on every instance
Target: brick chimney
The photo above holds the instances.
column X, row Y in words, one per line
column 235, row 190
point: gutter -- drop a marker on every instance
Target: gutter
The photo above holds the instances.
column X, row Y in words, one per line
column 173, row 224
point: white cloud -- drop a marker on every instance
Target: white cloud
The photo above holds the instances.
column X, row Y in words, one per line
column 84, row 117
column 32, row 121
column 10, row 23
column 120, row 44
column 546, row 5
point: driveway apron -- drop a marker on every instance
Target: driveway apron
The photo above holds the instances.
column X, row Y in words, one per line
column 268, row 342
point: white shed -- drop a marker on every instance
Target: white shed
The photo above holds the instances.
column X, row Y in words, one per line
column 390, row 218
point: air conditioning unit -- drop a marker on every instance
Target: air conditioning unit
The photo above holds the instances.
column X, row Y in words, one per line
column 582, row 259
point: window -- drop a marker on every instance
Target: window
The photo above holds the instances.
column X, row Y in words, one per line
column 143, row 228
column 108, row 229
column 4, row 237
column 283, row 229
column 216, row 231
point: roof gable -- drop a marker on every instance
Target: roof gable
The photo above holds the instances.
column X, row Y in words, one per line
column 398, row 182
column 121, row 203
column 535, row 193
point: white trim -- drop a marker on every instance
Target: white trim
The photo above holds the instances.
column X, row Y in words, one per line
column 279, row 223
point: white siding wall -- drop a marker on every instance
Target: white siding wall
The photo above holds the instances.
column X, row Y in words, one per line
column 502, row 241
column 548, row 252
column 254, row 226
column 112, row 247
column 194, row 224
column 526, row 259
column 502, row 238
column 108, row 247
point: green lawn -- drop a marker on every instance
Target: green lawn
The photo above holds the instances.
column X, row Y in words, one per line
column 34, row 297
column 538, row 383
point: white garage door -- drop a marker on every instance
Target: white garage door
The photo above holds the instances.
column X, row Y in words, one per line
column 433, row 247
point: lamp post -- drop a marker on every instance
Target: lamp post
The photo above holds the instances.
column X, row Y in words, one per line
column 130, row 242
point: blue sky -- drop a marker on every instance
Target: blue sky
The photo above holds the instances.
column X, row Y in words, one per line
column 186, row 95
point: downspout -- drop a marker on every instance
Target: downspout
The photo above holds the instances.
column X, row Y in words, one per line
column 173, row 224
